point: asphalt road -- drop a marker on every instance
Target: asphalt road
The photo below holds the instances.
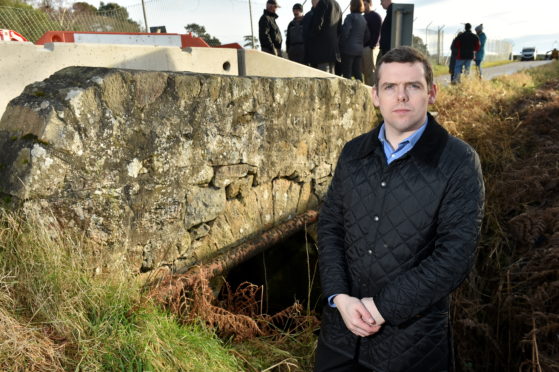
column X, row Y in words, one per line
column 492, row 72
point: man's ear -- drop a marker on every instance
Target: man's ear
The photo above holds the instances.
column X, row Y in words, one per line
column 374, row 96
column 432, row 94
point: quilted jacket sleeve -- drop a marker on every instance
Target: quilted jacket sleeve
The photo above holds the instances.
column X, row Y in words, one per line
column 346, row 29
column 458, row 226
column 332, row 262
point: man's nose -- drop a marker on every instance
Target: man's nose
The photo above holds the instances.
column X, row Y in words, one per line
column 402, row 94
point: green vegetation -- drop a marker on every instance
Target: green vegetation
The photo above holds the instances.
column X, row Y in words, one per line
column 200, row 31
column 56, row 314
column 487, row 64
column 439, row 70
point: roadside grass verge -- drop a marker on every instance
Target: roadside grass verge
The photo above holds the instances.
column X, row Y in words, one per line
column 57, row 314
column 506, row 314
column 439, row 70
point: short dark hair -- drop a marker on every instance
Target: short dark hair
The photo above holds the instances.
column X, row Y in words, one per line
column 468, row 26
column 356, row 6
column 406, row 54
column 298, row 6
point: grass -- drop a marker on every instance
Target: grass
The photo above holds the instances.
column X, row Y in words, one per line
column 439, row 70
column 57, row 315
column 487, row 64
column 504, row 313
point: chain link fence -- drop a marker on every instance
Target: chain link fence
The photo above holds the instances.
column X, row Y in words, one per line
column 498, row 50
column 430, row 42
column 437, row 45
column 33, row 23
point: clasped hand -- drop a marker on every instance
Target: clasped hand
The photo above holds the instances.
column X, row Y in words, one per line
column 357, row 314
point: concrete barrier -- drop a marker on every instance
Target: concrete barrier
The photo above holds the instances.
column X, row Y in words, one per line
column 24, row 63
column 257, row 63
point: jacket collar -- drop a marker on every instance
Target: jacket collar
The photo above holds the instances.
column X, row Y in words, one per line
column 270, row 14
column 428, row 149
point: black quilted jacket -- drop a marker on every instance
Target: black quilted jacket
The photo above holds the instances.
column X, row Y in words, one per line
column 404, row 234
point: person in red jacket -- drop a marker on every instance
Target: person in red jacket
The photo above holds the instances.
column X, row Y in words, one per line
column 466, row 44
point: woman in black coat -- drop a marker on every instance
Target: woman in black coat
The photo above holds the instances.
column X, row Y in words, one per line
column 355, row 34
column 325, row 30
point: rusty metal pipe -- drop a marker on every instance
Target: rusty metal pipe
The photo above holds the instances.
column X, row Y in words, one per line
column 171, row 285
column 244, row 251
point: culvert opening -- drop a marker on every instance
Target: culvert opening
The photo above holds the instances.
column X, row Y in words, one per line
column 246, row 311
column 287, row 271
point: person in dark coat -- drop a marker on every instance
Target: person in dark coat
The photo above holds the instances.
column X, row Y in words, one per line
column 268, row 30
column 397, row 231
column 294, row 42
column 386, row 28
column 371, row 47
column 467, row 44
column 307, row 24
column 325, row 30
column 354, row 34
column 453, row 54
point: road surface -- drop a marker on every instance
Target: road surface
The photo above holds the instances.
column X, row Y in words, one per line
column 492, row 72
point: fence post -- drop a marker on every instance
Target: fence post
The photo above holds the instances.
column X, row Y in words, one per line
column 145, row 17
column 251, row 27
column 427, row 35
column 440, row 40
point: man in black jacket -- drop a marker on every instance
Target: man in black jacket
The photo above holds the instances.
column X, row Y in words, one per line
column 325, row 31
column 397, row 231
column 386, row 28
column 295, row 42
column 466, row 44
column 371, row 47
column 268, row 30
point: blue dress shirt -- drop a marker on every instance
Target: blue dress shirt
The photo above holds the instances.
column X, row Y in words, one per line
column 403, row 147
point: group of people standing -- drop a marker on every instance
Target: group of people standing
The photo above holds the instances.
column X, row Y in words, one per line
column 466, row 47
column 320, row 39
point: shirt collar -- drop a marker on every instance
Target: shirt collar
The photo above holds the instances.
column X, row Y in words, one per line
column 412, row 140
column 428, row 149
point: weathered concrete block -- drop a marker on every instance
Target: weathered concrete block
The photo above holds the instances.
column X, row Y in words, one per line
column 163, row 167
column 203, row 204
column 225, row 175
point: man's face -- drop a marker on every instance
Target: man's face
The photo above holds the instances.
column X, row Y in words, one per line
column 367, row 6
column 385, row 3
column 296, row 12
column 271, row 7
column 402, row 95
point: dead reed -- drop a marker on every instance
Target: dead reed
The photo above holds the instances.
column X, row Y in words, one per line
column 506, row 316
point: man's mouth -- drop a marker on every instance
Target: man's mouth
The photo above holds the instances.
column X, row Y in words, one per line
column 401, row 110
